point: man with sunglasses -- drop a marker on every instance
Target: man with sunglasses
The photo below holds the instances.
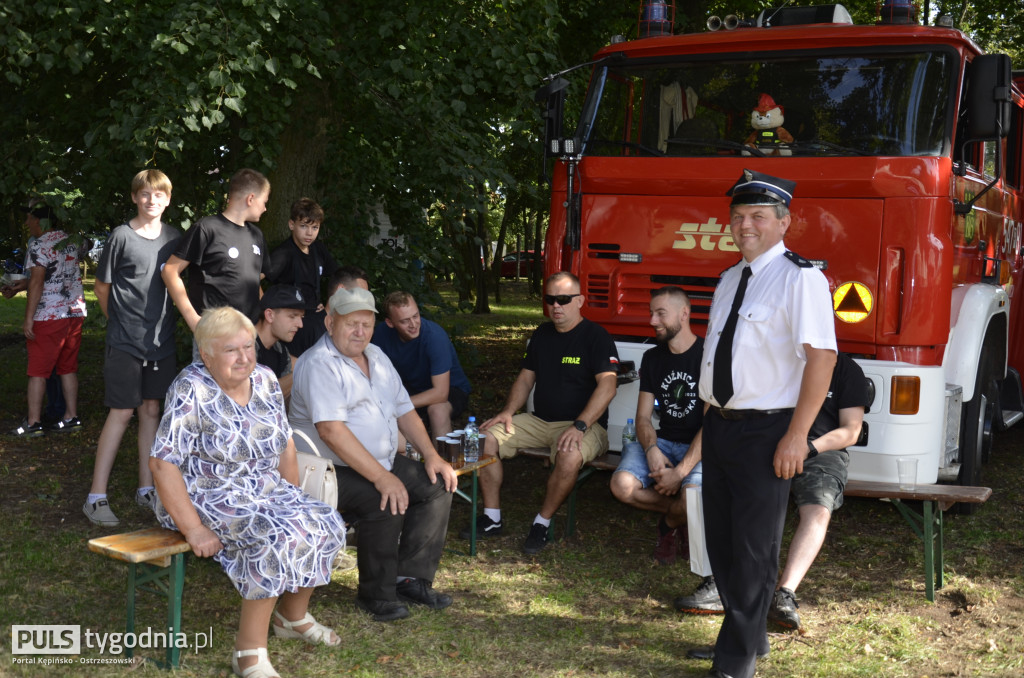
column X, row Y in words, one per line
column 570, row 365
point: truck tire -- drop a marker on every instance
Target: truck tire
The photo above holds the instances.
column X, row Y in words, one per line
column 976, row 433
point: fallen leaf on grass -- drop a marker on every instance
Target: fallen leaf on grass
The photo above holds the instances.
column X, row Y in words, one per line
column 385, row 659
column 453, row 654
column 992, row 646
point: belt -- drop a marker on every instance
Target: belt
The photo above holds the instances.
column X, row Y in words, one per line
column 747, row 414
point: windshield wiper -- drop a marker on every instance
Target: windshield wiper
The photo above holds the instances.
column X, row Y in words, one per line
column 628, row 144
column 717, row 143
column 821, row 144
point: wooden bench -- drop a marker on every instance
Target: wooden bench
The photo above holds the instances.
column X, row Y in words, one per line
column 927, row 525
column 156, row 564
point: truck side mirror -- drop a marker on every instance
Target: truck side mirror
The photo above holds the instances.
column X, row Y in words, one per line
column 553, row 95
column 988, row 97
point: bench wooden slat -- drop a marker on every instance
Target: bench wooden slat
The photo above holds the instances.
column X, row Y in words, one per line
column 938, row 493
column 153, row 544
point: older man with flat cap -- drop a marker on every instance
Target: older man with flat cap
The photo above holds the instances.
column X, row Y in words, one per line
column 348, row 398
column 768, row 358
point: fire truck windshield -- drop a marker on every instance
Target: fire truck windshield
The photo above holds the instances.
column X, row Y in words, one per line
column 889, row 103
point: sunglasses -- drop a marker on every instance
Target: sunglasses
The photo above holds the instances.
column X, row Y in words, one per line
column 561, row 299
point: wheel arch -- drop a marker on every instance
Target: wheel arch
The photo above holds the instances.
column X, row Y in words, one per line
column 985, row 307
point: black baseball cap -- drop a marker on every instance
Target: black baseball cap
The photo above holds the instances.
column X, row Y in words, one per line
column 755, row 188
column 282, row 296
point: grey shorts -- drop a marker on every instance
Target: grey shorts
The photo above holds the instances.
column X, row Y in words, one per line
column 822, row 481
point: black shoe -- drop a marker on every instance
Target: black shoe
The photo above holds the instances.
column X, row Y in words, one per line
column 383, row 610
column 707, row 653
column 715, row 673
column 485, row 527
column 536, row 540
column 704, row 600
column 66, row 425
column 27, row 430
column 420, row 592
column 783, row 609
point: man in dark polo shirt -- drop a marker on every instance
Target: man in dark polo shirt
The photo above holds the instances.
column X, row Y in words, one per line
column 281, row 311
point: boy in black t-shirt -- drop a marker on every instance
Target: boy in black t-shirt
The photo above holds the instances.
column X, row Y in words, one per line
column 281, row 316
column 302, row 261
column 573, row 364
column 655, row 467
column 225, row 255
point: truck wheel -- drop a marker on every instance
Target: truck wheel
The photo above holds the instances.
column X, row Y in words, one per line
column 976, row 436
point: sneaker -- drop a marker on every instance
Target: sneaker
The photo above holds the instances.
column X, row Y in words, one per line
column 146, row 499
column 536, row 540
column 99, row 512
column 420, row 592
column 704, row 600
column 27, row 430
column 666, row 548
column 485, row 527
column 66, row 425
column 783, row 610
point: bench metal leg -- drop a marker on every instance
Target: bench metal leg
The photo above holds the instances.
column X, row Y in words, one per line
column 167, row 582
column 472, row 499
column 927, row 525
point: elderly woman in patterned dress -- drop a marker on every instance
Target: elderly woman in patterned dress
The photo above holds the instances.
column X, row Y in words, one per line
column 225, row 471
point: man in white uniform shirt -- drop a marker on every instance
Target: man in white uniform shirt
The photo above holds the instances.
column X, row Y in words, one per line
column 348, row 398
column 768, row 358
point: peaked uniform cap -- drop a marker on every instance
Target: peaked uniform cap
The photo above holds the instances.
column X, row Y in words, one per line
column 755, row 188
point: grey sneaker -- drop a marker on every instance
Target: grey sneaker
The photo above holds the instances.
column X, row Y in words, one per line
column 783, row 610
column 146, row 499
column 99, row 512
column 704, row 600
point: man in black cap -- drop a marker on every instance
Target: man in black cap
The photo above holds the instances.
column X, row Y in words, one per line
column 282, row 308
column 768, row 358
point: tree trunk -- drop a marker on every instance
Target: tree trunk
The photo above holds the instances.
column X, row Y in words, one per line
column 480, row 261
column 303, row 149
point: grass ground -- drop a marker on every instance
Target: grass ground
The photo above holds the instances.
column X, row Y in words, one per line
column 592, row 605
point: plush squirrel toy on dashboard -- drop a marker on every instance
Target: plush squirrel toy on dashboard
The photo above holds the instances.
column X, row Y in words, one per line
column 769, row 136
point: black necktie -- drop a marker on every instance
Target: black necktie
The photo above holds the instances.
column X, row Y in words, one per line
column 721, row 385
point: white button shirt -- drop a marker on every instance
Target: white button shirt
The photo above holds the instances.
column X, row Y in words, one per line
column 328, row 386
column 785, row 307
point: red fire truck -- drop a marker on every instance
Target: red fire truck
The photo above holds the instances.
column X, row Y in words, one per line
column 907, row 147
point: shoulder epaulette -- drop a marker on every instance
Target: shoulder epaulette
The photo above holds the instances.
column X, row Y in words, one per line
column 798, row 260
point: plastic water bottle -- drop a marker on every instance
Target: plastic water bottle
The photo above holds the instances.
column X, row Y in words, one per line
column 628, row 433
column 472, row 453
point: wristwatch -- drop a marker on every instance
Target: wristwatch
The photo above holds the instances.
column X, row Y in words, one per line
column 580, row 425
column 812, row 451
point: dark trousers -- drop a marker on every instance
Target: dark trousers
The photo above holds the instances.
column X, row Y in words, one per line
column 409, row 545
column 744, row 515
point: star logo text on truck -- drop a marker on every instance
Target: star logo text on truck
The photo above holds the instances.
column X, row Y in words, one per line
column 708, row 236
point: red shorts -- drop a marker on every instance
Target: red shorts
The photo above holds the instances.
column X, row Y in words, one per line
column 56, row 345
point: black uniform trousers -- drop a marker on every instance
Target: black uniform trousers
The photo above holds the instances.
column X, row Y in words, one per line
column 409, row 545
column 744, row 515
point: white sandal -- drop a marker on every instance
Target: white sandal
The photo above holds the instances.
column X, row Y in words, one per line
column 316, row 633
column 261, row 669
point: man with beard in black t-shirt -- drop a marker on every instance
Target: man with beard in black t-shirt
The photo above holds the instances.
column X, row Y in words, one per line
column 573, row 364
column 658, row 464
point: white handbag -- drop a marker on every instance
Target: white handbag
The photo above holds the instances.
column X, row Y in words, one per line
column 316, row 473
column 699, row 563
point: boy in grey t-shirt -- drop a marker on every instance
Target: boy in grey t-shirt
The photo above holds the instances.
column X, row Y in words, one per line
column 139, row 356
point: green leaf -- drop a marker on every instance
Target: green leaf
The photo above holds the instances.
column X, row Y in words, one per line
column 234, row 104
column 272, row 65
